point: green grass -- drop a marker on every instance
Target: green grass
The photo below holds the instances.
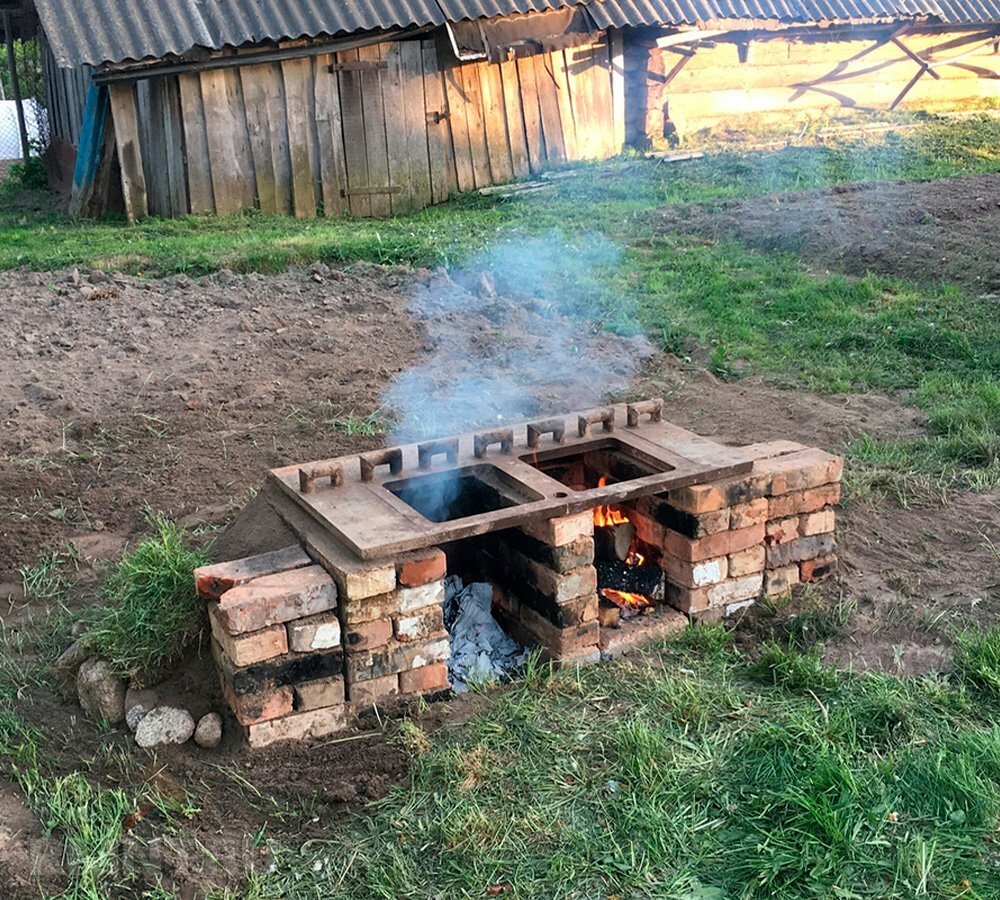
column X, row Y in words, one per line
column 152, row 613
column 694, row 772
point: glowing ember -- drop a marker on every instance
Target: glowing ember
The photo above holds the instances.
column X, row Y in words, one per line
column 630, row 604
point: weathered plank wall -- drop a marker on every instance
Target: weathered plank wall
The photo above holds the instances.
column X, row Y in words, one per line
column 67, row 94
column 714, row 86
column 394, row 127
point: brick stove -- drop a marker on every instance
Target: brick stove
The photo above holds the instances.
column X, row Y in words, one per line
column 343, row 608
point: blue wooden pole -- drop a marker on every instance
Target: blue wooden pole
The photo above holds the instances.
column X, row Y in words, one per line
column 88, row 155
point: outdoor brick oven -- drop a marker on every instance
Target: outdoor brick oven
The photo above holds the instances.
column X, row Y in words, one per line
column 597, row 530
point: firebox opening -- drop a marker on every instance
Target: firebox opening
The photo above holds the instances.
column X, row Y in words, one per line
column 445, row 496
column 630, row 581
column 582, row 467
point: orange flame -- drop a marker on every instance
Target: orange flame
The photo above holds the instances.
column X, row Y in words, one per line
column 626, row 601
column 607, row 515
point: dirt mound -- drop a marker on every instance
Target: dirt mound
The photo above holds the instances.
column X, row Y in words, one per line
column 933, row 231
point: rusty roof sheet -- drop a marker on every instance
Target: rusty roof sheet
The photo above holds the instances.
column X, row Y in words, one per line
column 93, row 32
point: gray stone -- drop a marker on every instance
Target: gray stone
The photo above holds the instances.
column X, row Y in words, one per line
column 137, row 704
column 101, row 691
column 164, row 725
column 208, row 734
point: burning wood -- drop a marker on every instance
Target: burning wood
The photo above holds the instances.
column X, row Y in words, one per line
column 629, row 604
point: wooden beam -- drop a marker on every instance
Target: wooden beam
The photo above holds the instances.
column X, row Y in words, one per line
column 917, row 59
column 126, row 123
column 88, row 156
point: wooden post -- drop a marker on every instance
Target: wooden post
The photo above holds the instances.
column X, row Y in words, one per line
column 89, row 156
column 126, row 123
column 15, row 83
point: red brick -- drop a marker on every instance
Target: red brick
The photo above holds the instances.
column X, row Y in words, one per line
column 319, row 693
column 273, row 599
column 563, row 530
column 260, row 706
column 303, row 726
column 414, row 598
column 746, row 514
column 699, row 574
column 817, row 522
column 421, row 569
column 384, row 606
column 374, row 690
column 778, row 582
column 781, row 531
column 424, row 680
column 818, row 569
column 419, row 626
column 803, row 501
column 559, row 640
column 246, row 649
column 394, row 658
column 367, row 635
column 748, row 561
column 321, row 632
column 721, row 544
column 213, row 581
column 804, row 548
column 801, row 471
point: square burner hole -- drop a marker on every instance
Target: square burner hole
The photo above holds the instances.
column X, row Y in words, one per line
column 595, row 464
column 460, row 493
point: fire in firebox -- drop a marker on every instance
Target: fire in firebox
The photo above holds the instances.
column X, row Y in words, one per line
column 627, row 585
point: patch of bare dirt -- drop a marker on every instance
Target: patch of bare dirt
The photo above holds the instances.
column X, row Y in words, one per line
column 935, row 231
column 180, row 393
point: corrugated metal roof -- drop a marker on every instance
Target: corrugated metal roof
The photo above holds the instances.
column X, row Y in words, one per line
column 93, row 32
column 99, row 31
column 619, row 13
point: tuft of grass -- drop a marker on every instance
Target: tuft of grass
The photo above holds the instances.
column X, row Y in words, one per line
column 976, row 660
column 153, row 613
column 47, row 578
column 792, row 669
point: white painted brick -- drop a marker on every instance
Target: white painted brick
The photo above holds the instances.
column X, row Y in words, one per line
column 414, row 598
column 736, row 590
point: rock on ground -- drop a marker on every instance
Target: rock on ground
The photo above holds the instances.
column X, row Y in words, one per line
column 137, row 704
column 208, row 734
column 164, row 725
column 101, row 691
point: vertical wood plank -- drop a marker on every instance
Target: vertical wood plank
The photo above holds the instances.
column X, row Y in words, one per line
column 277, row 119
column 255, row 91
column 556, row 64
column 441, row 157
column 495, row 121
column 532, row 114
column 197, row 158
column 126, row 123
column 333, row 174
column 415, row 104
column 582, row 71
column 515, row 119
column 229, row 184
column 617, row 55
column 375, row 128
column 397, row 146
column 297, row 77
column 151, row 107
column 548, row 104
column 355, row 152
column 458, row 123
column 174, row 133
column 477, row 129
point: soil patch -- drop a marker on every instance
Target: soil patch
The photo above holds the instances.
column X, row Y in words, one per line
column 178, row 394
column 935, row 231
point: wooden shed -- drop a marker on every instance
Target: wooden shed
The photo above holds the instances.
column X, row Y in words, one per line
column 372, row 108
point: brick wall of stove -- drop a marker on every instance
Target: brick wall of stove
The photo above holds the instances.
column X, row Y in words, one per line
column 302, row 641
